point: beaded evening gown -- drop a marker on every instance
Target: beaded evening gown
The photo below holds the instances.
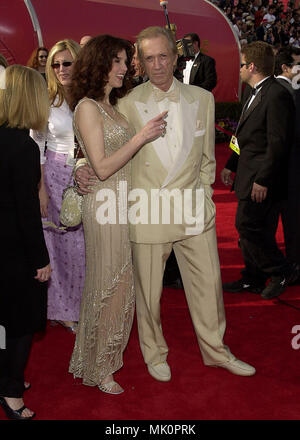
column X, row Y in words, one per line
column 107, row 306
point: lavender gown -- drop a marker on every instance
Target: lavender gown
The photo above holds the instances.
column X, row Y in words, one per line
column 66, row 248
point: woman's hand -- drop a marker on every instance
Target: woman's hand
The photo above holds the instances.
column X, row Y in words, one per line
column 43, row 274
column 84, row 177
column 154, row 128
column 44, row 200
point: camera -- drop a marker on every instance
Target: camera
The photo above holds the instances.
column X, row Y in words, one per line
column 185, row 48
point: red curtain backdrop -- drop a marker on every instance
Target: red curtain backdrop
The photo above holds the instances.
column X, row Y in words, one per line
column 74, row 18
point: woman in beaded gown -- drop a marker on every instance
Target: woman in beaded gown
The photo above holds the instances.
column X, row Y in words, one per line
column 101, row 76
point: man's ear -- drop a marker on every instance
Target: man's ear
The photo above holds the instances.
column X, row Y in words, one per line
column 175, row 61
column 252, row 68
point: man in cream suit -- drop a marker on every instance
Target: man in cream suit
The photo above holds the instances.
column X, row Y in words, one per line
column 183, row 162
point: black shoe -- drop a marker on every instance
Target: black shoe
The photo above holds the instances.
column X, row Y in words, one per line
column 295, row 282
column 243, row 285
column 14, row 414
column 276, row 286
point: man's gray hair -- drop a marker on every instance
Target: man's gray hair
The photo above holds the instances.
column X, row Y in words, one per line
column 154, row 32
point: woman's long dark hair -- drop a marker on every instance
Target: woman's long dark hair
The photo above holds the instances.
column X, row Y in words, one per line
column 91, row 69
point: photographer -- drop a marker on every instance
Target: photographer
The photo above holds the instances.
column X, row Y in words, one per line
column 201, row 71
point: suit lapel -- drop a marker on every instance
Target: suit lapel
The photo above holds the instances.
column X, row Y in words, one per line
column 195, row 68
column 248, row 111
column 258, row 99
column 147, row 109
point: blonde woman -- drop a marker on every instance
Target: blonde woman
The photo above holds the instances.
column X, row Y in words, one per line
column 66, row 248
column 25, row 268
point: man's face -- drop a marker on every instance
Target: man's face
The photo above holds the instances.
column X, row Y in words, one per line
column 244, row 70
column 159, row 61
column 295, row 68
column 195, row 44
column 135, row 63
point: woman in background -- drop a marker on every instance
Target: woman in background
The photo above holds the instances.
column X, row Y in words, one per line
column 38, row 60
column 25, row 266
column 66, row 248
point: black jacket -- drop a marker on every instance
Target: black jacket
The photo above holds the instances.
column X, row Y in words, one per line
column 265, row 136
column 203, row 72
column 22, row 298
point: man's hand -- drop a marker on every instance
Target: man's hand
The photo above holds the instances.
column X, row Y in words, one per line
column 226, row 177
column 259, row 193
column 84, row 178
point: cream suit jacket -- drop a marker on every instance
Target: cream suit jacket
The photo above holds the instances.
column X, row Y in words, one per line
column 193, row 168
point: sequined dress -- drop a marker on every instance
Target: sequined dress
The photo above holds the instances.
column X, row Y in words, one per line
column 107, row 306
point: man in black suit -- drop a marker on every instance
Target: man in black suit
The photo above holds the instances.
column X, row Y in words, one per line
column 287, row 58
column 264, row 137
column 287, row 67
column 202, row 70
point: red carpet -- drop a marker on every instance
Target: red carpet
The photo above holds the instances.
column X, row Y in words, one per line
column 258, row 332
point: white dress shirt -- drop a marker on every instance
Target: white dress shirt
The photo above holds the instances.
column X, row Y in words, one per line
column 59, row 133
column 188, row 68
column 174, row 120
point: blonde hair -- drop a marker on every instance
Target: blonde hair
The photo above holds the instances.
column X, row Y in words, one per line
column 24, row 103
column 55, row 89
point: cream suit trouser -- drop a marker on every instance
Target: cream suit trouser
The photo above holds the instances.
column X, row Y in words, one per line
column 199, row 266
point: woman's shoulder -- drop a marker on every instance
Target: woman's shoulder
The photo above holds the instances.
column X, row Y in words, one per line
column 86, row 102
column 86, row 106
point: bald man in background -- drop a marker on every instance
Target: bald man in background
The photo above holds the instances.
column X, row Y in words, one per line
column 85, row 39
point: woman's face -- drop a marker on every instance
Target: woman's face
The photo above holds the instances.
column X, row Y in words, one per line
column 118, row 70
column 62, row 65
column 135, row 63
column 42, row 58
